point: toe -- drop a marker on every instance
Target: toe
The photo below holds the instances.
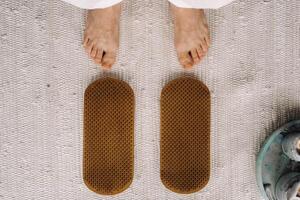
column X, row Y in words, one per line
column 207, row 41
column 109, row 58
column 85, row 40
column 195, row 56
column 89, row 46
column 200, row 52
column 204, row 46
column 94, row 52
column 185, row 59
column 98, row 57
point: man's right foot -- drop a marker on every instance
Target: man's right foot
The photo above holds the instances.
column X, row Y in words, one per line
column 101, row 37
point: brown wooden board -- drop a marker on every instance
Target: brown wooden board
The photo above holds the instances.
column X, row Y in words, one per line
column 185, row 135
column 108, row 136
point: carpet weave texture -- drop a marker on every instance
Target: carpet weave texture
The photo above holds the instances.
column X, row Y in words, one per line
column 252, row 70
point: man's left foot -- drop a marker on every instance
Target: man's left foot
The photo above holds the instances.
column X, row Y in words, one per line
column 192, row 38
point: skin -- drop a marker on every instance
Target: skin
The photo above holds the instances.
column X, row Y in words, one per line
column 192, row 38
column 101, row 38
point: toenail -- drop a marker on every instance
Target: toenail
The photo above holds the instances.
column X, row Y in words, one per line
column 105, row 65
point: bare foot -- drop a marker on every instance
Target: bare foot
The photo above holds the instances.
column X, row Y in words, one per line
column 191, row 35
column 101, row 38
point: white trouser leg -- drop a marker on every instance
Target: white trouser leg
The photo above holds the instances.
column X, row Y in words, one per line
column 93, row 4
column 200, row 3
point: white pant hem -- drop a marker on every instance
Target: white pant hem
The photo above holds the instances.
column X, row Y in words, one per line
column 201, row 4
column 93, row 4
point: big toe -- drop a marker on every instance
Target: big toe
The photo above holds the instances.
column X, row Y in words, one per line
column 185, row 59
column 109, row 58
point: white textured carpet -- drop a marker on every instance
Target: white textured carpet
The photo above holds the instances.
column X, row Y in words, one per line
column 252, row 70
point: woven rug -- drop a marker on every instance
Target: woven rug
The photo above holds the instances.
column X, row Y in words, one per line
column 252, row 71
